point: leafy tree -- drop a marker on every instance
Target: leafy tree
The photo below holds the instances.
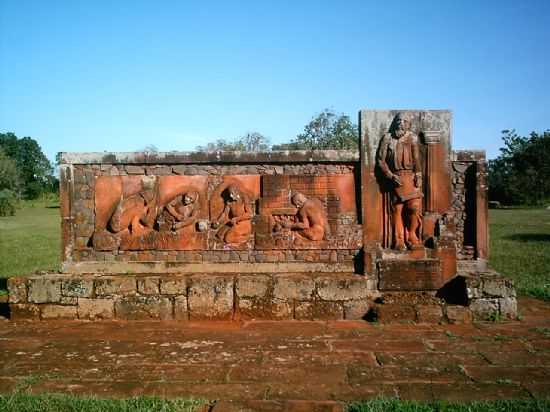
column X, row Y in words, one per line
column 327, row 130
column 9, row 185
column 35, row 170
column 250, row 142
column 521, row 173
column 9, row 175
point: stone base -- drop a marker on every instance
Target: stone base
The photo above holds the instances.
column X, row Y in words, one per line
column 486, row 296
column 245, row 296
column 304, row 296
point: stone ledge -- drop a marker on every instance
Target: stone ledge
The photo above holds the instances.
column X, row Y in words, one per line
column 278, row 156
column 158, row 267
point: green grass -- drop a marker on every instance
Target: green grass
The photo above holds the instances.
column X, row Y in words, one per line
column 30, row 240
column 394, row 405
column 520, row 248
column 21, row 402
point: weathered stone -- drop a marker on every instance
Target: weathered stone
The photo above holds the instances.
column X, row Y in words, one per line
column 297, row 287
column 68, row 300
column 80, row 288
column 395, row 313
column 111, row 286
column 429, row 313
column 498, row 287
column 44, row 290
column 484, row 309
column 211, row 297
column 333, row 288
column 58, row 312
column 318, row 310
column 508, row 308
column 264, row 309
column 134, row 170
column 181, row 311
column 95, row 308
column 17, row 290
column 143, row 307
column 24, row 311
column 252, row 286
column 148, row 286
column 457, row 314
column 173, row 286
column 356, row 309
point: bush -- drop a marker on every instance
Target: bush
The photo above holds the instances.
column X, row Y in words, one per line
column 8, row 202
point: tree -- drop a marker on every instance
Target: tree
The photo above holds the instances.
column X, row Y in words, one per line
column 35, row 170
column 325, row 131
column 521, row 173
column 9, row 185
column 250, row 142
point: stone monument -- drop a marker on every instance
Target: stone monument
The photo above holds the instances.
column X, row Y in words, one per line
column 396, row 231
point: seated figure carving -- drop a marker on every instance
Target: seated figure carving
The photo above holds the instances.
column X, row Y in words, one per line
column 136, row 213
column 184, row 211
column 310, row 222
column 236, row 217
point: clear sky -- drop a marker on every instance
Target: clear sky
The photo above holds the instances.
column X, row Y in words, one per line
column 121, row 75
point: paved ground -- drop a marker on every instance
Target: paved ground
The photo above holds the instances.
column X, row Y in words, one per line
column 281, row 361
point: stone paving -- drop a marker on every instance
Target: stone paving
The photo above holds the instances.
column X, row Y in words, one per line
column 281, row 365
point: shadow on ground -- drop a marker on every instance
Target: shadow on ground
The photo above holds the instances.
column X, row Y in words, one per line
column 529, row 237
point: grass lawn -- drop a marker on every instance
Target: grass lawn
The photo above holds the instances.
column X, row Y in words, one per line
column 21, row 402
column 394, row 405
column 30, row 240
column 520, row 248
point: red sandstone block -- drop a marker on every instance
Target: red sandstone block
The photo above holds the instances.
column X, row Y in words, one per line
column 210, row 297
column 143, row 307
column 458, row 314
column 58, row 312
column 95, row 308
column 395, row 313
column 24, row 311
column 429, row 313
column 410, row 275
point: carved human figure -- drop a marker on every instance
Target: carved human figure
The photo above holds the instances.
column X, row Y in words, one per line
column 137, row 213
column 184, row 209
column 236, row 217
column 311, row 222
column 399, row 160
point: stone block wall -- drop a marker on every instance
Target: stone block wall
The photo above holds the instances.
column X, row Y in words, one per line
column 191, row 296
column 469, row 207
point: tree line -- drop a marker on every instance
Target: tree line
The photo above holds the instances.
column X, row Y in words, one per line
column 25, row 172
column 520, row 175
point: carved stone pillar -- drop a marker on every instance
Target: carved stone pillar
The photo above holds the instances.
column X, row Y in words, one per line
column 432, row 138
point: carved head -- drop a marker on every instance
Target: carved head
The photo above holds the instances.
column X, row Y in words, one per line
column 401, row 125
column 233, row 192
column 298, row 200
column 190, row 197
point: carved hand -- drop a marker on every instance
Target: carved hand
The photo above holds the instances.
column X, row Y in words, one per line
column 418, row 180
column 396, row 180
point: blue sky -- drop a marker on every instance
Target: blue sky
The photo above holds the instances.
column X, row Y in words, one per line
column 120, row 75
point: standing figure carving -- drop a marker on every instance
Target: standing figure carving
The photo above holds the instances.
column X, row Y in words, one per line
column 399, row 160
column 236, row 217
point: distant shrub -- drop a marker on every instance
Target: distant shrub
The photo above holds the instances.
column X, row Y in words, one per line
column 8, row 202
